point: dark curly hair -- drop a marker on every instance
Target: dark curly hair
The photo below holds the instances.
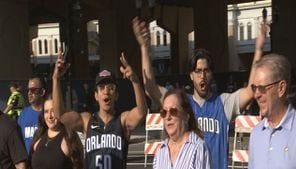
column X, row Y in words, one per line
column 200, row 54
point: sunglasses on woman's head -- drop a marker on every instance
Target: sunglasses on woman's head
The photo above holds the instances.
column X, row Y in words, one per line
column 173, row 111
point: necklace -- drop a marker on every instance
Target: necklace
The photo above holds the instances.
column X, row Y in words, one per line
column 48, row 140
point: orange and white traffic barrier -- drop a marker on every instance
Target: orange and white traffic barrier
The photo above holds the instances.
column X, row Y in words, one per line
column 154, row 121
column 240, row 156
column 247, row 122
column 151, row 148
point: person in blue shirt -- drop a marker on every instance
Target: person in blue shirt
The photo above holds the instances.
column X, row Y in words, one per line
column 28, row 119
column 212, row 111
column 273, row 141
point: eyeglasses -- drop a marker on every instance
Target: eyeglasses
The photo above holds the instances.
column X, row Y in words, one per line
column 199, row 72
column 173, row 111
column 262, row 88
column 34, row 90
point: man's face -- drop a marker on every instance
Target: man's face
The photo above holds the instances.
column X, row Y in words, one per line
column 35, row 91
column 202, row 78
column 106, row 96
column 266, row 91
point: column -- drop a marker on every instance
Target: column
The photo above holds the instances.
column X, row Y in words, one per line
column 116, row 36
column 210, row 26
column 283, row 29
column 14, row 40
column 78, row 42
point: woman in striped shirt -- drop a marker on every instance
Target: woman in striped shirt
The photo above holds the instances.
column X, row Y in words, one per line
column 184, row 147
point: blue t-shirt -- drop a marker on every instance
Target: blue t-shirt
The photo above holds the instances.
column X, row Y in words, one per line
column 28, row 122
column 213, row 122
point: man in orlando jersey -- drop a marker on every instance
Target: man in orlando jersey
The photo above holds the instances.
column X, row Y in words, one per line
column 28, row 120
column 107, row 132
column 213, row 112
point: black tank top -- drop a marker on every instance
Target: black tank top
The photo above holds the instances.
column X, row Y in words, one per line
column 105, row 146
column 49, row 155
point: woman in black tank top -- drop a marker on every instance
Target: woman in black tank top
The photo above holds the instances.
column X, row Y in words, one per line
column 53, row 145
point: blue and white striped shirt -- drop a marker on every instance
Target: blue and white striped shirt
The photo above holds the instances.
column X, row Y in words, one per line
column 193, row 154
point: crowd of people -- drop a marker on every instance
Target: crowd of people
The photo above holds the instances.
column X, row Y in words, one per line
column 44, row 135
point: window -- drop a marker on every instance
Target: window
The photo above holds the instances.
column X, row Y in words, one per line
column 164, row 38
column 40, row 46
column 241, row 31
column 249, row 29
column 157, row 38
column 45, row 47
column 55, row 46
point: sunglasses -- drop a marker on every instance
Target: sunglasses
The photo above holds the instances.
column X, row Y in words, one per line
column 34, row 90
column 263, row 88
column 173, row 111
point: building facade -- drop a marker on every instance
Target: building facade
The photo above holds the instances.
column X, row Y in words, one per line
column 243, row 26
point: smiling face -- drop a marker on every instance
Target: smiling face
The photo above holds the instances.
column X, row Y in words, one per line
column 174, row 122
column 50, row 120
column 106, row 95
column 269, row 99
column 202, row 78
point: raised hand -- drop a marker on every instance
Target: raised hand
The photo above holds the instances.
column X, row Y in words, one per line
column 127, row 70
column 60, row 66
column 141, row 31
column 264, row 28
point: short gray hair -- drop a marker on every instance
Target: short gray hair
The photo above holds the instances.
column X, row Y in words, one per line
column 279, row 66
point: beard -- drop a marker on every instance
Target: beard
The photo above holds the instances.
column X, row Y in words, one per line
column 35, row 100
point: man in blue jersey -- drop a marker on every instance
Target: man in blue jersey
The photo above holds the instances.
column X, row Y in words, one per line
column 28, row 120
column 107, row 132
column 213, row 112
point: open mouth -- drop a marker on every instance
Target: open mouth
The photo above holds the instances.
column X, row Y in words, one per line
column 107, row 100
column 203, row 85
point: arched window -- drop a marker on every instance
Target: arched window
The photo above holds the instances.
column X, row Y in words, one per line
column 55, row 46
column 45, row 47
column 241, row 31
column 157, row 38
column 40, row 46
column 164, row 38
column 249, row 29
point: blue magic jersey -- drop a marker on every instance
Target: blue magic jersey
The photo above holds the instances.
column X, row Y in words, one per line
column 105, row 145
column 213, row 122
column 28, row 122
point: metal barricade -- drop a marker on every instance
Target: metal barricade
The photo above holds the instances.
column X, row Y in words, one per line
column 243, row 124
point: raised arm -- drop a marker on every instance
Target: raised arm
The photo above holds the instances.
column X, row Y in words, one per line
column 154, row 91
column 71, row 119
column 132, row 118
column 246, row 94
